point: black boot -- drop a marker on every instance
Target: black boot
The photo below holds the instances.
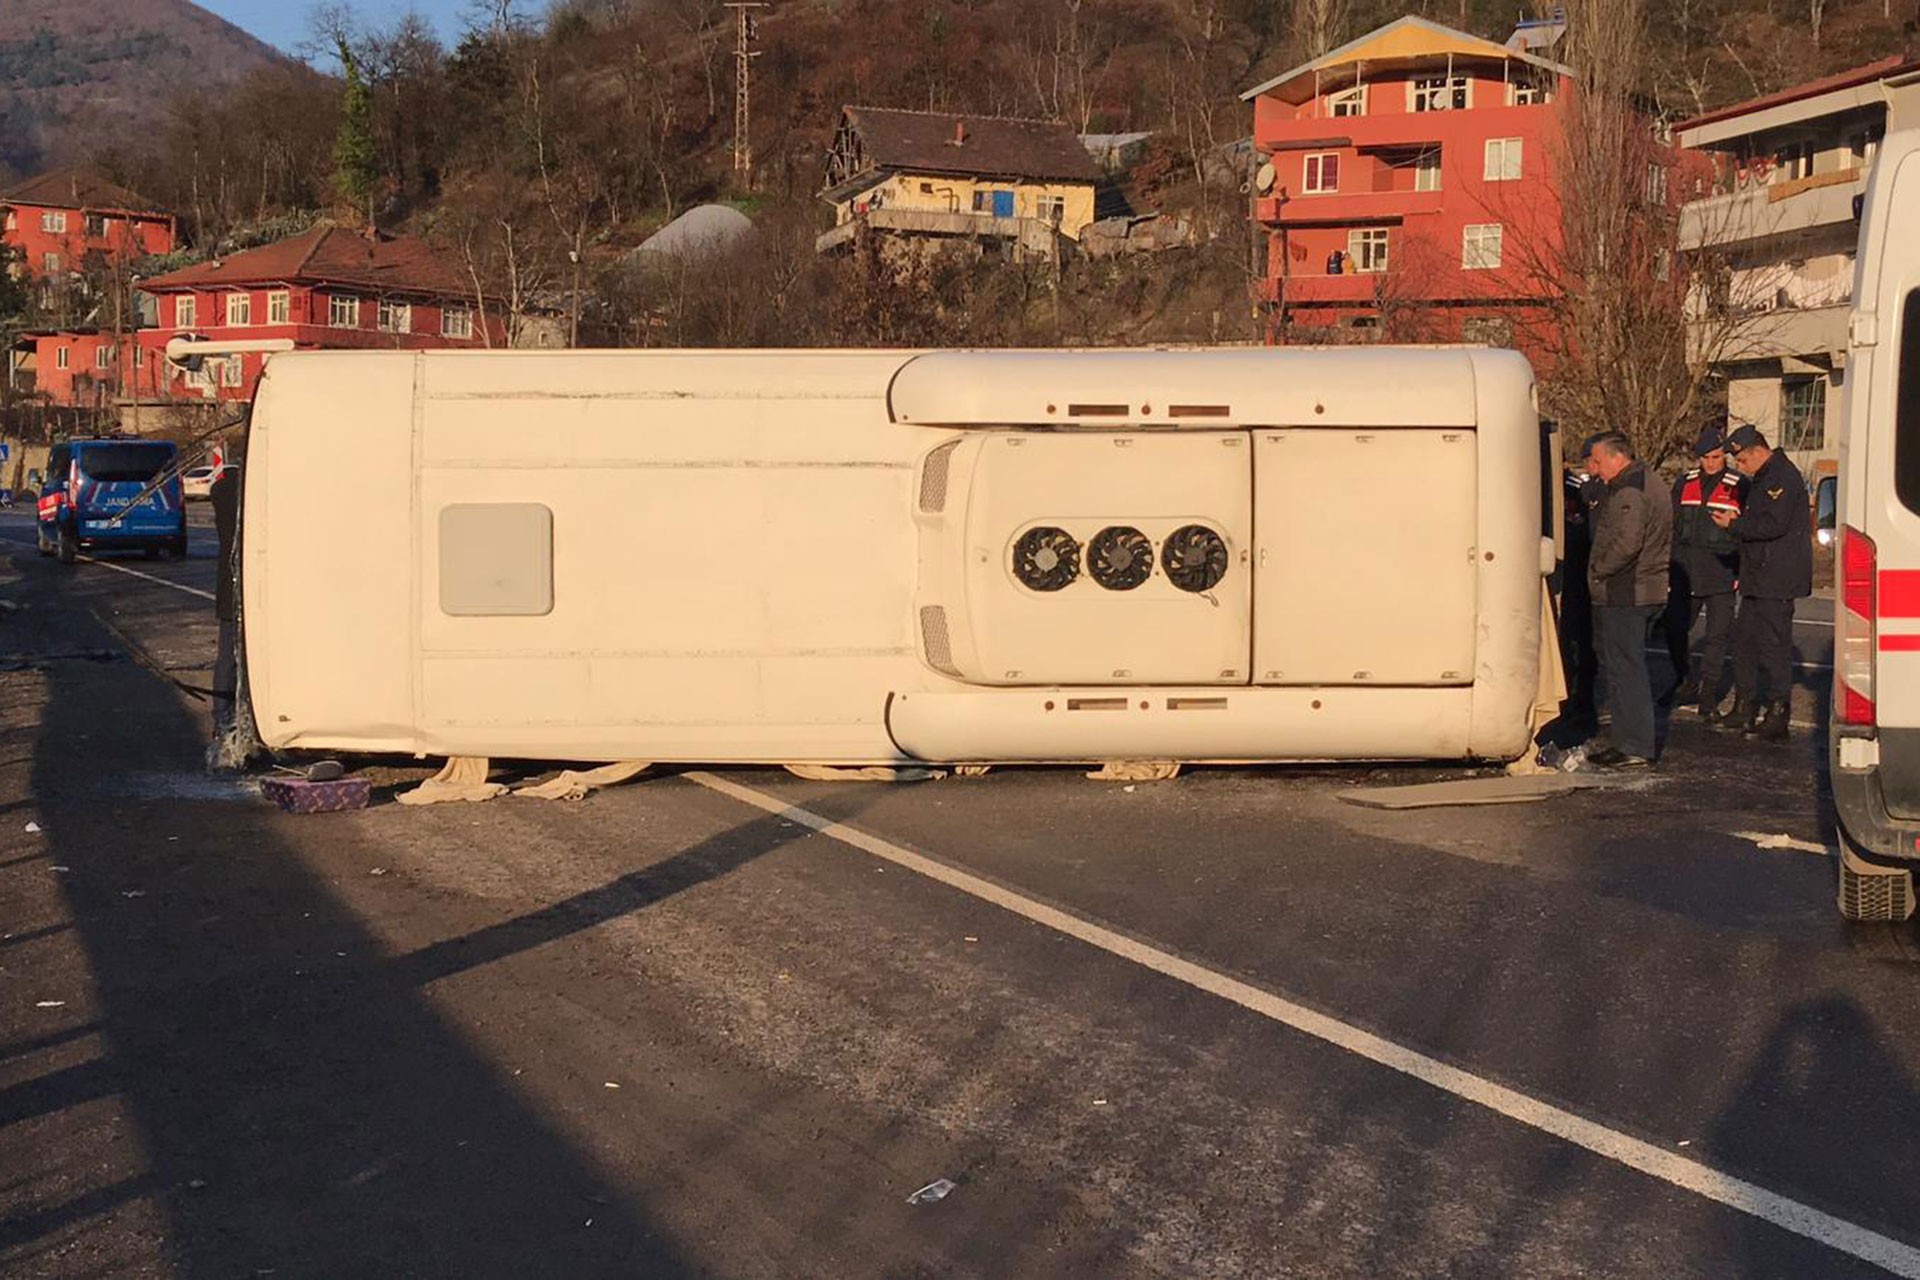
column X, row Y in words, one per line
column 1772, row 724
column 1738, row 717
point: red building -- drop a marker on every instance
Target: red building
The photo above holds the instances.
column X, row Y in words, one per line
column 326, row 288
column 1410, row 192
column 88, row 368
column 62, row 222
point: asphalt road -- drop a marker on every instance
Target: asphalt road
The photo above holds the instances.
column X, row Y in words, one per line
column 725, row 1025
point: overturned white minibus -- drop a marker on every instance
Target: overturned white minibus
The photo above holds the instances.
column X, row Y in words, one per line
column 882, row 557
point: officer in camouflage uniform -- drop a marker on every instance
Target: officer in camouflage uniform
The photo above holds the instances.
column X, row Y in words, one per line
column 1706, row 564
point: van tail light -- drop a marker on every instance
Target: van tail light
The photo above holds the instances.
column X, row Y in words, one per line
column 1856, row 624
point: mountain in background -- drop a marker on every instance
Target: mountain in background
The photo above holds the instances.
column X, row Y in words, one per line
column 78, row 77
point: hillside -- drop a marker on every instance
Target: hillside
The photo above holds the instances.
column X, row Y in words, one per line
column 75, row 75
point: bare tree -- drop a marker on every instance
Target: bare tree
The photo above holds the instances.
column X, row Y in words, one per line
column 1319, row 25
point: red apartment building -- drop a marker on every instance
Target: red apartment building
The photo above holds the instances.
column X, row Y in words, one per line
column 326, row 288
column 1410, row 189
column 59, row 222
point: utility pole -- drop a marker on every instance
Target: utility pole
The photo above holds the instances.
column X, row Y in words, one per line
column 743, row 55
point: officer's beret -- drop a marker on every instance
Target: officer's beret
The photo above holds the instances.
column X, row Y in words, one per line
column 1711, row 437
column 1745, row 436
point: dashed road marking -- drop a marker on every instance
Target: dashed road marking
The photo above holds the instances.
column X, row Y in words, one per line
column 1610, row 1144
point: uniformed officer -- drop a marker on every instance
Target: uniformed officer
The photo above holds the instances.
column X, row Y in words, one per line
column 1775, row 529
column 1706, row 563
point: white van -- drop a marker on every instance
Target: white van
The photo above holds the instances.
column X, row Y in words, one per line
column 1875, row 746
column 883, row 557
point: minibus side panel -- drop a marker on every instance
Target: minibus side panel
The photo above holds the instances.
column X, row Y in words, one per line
column 1366, row 557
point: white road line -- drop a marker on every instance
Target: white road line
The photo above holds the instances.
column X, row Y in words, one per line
column 120, row 568
column 177, row 586
column 1689, row 1175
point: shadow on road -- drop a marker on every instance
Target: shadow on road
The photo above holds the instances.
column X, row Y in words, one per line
column 302, row 1108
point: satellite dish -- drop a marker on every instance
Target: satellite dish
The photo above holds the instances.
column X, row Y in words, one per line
column 1264, row 178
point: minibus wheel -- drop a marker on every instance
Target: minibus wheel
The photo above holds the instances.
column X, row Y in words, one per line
column 1870, row 894
column 69, row 546
column 40, row 542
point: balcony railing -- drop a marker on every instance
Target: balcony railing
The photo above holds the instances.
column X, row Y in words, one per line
column 1779, row 209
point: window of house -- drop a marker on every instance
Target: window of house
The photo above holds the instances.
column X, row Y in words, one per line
column 1803, row 414
column 343, row 312
column 96, row 226
column 994, row 203
column 279, row 307
column 50, row 264
column 13, row 220
column 395, row 317
column 1793, row 162
column 239, row 309
column 1348, row 102
column 1426, row 170
column 139, row 356
column 1492, row 331
column 1437, row 93
column 1322, row 174
column 1482, row 246
column 231, row 371
column 456, row 322
column 1503, row 159
column 184, row 316
column 1052, row 209
column 61, row 358
column 1367, row 249
column 1865, row 145
column 1657, row 185
column 1527, row 93
column 103, row 357
column 54, row 221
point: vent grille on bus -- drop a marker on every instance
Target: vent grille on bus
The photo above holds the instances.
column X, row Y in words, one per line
column 934, row 639
column 933, row 478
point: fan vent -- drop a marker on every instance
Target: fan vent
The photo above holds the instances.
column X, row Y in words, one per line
column 1046, row 559
column 935, row 640
column 933, row 478
column 1120, row 558
column 1195, row 558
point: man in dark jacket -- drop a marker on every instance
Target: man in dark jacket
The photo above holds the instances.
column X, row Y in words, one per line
column 1579, row 717
column 1776, row 568
column 1627, row 574
column 224, row 498
column 1706, row 564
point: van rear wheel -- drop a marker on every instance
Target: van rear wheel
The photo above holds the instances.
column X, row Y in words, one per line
column 1870, row 894
column 69, row 547
column 40, row 542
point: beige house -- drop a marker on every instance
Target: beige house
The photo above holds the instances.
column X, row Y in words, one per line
column 991, row 182
column 1779, row 220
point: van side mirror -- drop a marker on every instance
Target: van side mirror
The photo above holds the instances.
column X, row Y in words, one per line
column 1859, row 206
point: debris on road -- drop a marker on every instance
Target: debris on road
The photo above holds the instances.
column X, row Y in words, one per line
column 462, row 778
column 1136, row 771
column 1522, row 789
column 578, row 784
column 297, row 795
column 50, row 1004
column 1782, row 841
column 33, row 828
column 934, row 1191
column 871, row 773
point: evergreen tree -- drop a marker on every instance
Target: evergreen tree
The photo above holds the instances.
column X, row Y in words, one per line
column 356, row 168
